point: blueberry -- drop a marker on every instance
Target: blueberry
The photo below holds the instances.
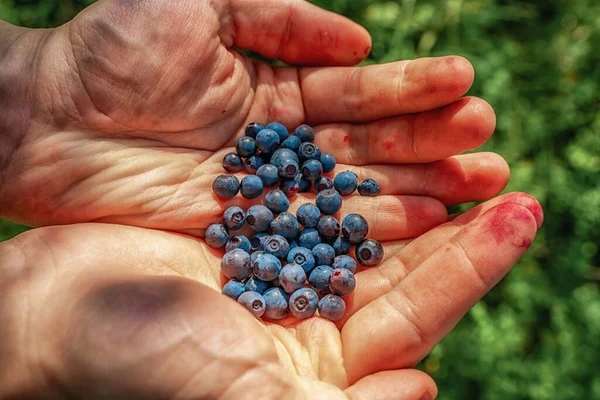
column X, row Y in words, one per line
column 236, row 264
column 293, row 244
column 286, row 225
column 232, row 162
column 289, row 186
column 355, row 228
column 254, row 284
column 287, row 169
column 268, row 174
column 277, row 246
column 345, row 183
column 258, row 241
column 345, row 262
column 226, row 186
column 341, row 245
column 266, row 267
column 305, row 133
column 309, row 151
column 245, row 146
column 324, row 254
column 322, row 183
column 303, row 303
column 319, row 277
column 304, row 185
column 253, row 163
column 216, row 236
column 277, row 201
column 233, row 289
column 328, row 227
column 267, row 140
column 332, row 307
column 312, row 169
column 292, row 277
column 303, row 257
column 329, row 201
column 254, row 302
column 280, row 129
column 259, row 218
column 238, row 242
column 369, row 253
column 255, row 255
column 309, row 238
column 234, row 218
column 276, row 302
column 328, row 162
column 293, row 143
column 253, row 128
column 342, row 282
column 284, row 154
column 252, row 187
column 368, row 187
column 308, row 215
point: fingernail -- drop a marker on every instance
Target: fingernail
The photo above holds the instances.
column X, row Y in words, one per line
column 426, row 396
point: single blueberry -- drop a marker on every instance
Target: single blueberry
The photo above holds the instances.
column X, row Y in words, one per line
column 308, row 215
column 292, row 277
column 226, row 186
column 232, row 162
column 303, row 257
column 341, row 245
column 309, row 238
column 304, row 185
column 303, row 303
column 284, row 154
column 255, row 255
column 355, row 228
column 329, row 201
column 254, row 302
column 345, row 183
column 266, row 267
column 259, row 218
column 368, row 187
column 267, row 140
column 216, row 236
column 324, row 254
column 277, row 245
column 238, row 242
column 312, row 169
column 233, row 289
column 252, row 187
column 328, row 161
column 342, row 282
column 319, row 277
column 328, row 227
column 309, row 151
column 253, row 128
column 344, row 261
column 305, row 133
column 280, row 129
column 369, row 253
column 277, row 201
column 268, row 174
column 286, row 225
column 323, row 183
column 332, row 307
column 254, row 284
column 290, row 187
column 253, row 163
column 287, row 169
column 293, row 143
column 234, row 218
column 245, row 146
column 276, row 301
column 235, row 264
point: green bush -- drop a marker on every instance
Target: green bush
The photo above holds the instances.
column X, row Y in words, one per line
column 537, row 334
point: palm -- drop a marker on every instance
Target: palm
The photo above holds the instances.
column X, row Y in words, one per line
column 152, row 94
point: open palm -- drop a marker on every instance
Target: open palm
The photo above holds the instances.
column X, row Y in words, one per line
column 136, row 102
column 125, row 312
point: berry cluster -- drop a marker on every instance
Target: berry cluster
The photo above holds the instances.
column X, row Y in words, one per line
column 268, row 273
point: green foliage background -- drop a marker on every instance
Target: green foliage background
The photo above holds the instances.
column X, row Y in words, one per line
column 537, row 334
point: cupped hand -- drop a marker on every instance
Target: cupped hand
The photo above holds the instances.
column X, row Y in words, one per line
column 135, row 103
column 106, row 311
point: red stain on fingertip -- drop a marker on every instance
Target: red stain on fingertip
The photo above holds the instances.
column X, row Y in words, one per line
column 346, row 138
column 388, row 143
column 525, row 243
column 507, row 223
column 367, row 50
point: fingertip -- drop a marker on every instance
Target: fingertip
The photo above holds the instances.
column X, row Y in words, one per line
column 475, row 117
column 462, row 71
column 530, row 203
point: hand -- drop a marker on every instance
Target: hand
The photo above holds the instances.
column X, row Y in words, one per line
column 136, row 102
column 106, row 311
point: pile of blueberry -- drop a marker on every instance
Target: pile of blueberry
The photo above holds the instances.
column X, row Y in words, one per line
column 269, row 272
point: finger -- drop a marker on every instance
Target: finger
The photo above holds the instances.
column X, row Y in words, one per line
column 425, row 137
column 296, row 32
column 455, row 180
column 427, row 304
column 407, row 384
column 381, row 91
